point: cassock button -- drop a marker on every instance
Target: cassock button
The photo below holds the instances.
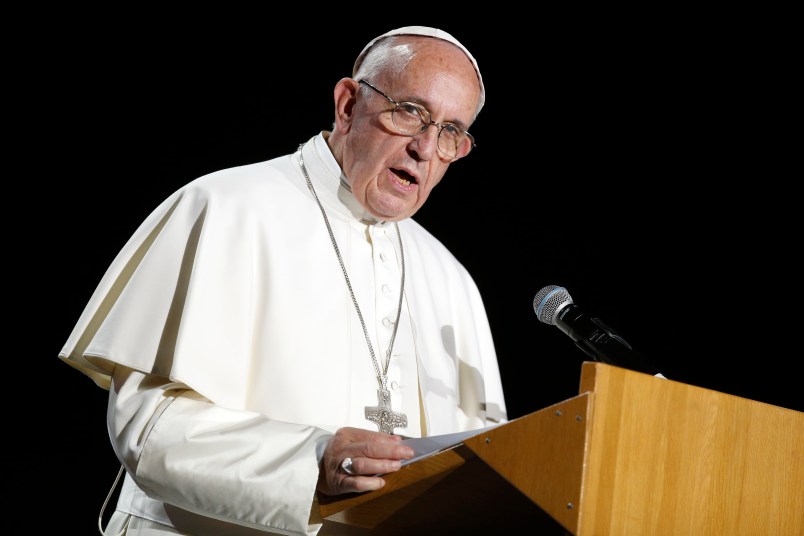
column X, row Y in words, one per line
column 386, row 322
column 394, row 385
column 382, row 257
column 386, row 290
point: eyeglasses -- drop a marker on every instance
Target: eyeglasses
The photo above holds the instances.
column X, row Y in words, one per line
column 412, row 119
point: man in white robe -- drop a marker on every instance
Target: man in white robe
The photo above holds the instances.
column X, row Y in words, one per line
column 243, row 330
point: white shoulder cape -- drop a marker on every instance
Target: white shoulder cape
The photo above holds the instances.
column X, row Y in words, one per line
column 231, row 287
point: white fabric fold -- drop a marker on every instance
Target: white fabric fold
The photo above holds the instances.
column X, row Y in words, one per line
column 193, row 458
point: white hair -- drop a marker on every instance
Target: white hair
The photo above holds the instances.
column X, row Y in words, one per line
column 389, row 55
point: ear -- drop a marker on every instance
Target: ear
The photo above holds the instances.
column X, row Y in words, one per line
column 345, row 97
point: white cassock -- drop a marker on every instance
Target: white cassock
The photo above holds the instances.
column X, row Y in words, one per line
column 241, row 350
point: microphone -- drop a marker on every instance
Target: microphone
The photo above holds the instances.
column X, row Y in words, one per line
column 553, row 305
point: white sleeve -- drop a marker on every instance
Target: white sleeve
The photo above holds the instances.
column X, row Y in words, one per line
column 232, row 465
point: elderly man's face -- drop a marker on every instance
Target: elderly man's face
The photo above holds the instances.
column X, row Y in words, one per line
column 391, row 174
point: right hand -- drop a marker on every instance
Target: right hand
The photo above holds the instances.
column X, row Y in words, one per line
column 372, row 453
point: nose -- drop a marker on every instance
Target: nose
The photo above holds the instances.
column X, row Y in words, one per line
column 426, row 144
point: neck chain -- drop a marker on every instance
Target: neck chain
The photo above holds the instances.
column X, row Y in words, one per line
column 382, row 415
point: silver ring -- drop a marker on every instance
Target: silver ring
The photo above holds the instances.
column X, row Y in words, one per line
column 346, row 465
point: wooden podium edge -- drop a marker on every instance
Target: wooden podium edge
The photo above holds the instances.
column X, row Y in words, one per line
column 543, row 455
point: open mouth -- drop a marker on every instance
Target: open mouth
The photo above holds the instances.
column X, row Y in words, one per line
column 405, row 178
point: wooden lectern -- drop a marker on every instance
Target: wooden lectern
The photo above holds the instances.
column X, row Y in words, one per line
column 631, row 454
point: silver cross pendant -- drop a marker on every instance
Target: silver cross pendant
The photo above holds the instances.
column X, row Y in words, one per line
column 383, row 416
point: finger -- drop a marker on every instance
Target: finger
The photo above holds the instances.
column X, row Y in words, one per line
column 352, row 442
column 357, row 466
column 360, row 484
column 385, row 450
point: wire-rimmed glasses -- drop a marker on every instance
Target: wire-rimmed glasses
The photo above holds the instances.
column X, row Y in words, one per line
column 412, row 119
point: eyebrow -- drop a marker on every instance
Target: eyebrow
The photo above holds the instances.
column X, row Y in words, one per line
column 460, row 124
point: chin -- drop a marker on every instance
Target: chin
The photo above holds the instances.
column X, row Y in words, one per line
column 394, row 213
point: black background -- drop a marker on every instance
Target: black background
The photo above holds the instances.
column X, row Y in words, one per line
column 629, row 163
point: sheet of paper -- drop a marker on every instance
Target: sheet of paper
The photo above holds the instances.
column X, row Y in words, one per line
column 427, row 446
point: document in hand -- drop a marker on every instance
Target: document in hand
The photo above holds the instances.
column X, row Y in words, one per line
column 428, row 446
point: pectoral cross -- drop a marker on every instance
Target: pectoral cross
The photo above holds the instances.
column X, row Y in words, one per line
column 383, row 416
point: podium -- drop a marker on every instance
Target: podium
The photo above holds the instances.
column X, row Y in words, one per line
column 631, row 454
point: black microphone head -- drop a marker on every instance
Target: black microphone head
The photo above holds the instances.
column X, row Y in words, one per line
column 549, row 301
